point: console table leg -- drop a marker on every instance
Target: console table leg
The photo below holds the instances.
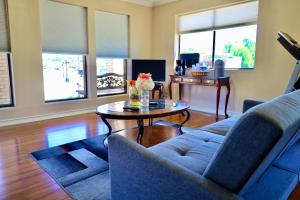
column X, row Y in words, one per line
column 227, row 99
column 140, row 124
column 218, row 99
column 170, row 89
column 180, row 88
column 187, row 119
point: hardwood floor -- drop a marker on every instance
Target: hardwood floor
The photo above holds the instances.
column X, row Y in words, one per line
column 20, row 176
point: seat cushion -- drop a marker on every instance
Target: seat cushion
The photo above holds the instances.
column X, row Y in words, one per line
column 192, row 150
column 221, row 127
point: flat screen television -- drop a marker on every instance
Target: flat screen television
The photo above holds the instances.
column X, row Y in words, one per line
column 156, row 67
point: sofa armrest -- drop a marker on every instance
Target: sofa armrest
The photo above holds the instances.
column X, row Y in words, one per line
column 137, row 173
column 249, row 104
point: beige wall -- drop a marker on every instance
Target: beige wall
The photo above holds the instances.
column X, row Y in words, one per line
column 26, row 52
column 273, row 64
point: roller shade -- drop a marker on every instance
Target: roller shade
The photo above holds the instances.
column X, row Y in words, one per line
column 111, row 35
column 4, row 39
column 63, row 27
column 202, row 20
column 238, row 14
column 244, row 13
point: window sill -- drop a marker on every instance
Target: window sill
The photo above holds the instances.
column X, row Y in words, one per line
column 65, row 100
column 7, row 107
column 239, row 69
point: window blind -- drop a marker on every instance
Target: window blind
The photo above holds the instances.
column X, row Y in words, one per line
column 244, row 13
column 63, row 27
column 111, row 35
column 4, row 38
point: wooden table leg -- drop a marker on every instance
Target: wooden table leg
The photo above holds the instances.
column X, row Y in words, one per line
column 170, row 89
column 109, row 131
column 140, row 123
column 227, row 99
column 108, row 125
column 187, row 119
column 180, row 88
column 218, row 99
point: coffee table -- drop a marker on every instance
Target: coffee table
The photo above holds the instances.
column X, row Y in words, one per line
column 163, row 108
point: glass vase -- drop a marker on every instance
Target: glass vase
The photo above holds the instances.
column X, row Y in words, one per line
column 145, row 98
column 134, row 97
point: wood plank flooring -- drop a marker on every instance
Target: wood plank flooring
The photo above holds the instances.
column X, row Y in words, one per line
column 20, row 176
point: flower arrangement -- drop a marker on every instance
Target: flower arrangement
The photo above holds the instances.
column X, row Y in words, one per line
column 139, row 90
column 145, row 82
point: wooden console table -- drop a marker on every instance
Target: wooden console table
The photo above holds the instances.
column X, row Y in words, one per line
column 205, row 81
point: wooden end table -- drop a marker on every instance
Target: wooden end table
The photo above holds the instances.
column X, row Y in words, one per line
column 162, row 109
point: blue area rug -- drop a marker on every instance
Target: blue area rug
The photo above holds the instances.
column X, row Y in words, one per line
column 81, row 167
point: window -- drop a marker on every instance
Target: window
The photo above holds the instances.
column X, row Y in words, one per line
column 112, row 51
column 235, row 46
column 111, row 76
column 64, row 77
column 64, row 40
column 201, row 43
column 6, row 94
column 6, row 91
column 226, row 33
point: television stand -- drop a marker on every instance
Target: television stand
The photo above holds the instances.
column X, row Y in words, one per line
column 204, row 81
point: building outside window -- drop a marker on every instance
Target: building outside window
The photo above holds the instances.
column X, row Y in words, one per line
column 64, row 77
column 111, row 76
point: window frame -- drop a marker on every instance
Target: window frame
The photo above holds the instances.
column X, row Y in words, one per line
column 125, row 78
column 214, row 41
column 85, row 78
column 11, row 89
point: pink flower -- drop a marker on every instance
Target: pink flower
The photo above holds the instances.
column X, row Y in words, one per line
column 145, row 75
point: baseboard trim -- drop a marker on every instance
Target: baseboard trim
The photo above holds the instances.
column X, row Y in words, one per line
column 22, row 120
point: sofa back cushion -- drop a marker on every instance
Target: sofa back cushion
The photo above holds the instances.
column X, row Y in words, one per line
column 262, row 132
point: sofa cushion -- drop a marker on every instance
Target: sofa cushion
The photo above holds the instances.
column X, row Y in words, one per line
column 221, row 127
column 252, row 139
column 192, row 150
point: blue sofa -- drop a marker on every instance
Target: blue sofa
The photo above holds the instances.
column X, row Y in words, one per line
column 252, row 156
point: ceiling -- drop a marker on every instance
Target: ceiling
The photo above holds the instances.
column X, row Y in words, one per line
column 150, row 3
